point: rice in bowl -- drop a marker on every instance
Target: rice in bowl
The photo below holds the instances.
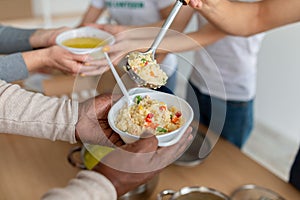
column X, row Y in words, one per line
column 150, row 114
column 147, row 68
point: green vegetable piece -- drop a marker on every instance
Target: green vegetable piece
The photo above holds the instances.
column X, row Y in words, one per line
column 138, row 99
column 161, row 130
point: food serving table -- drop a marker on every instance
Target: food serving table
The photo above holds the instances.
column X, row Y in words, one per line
column 29, row 167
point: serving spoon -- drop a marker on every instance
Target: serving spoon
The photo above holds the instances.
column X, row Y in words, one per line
column 118, row 79
column 124, row 61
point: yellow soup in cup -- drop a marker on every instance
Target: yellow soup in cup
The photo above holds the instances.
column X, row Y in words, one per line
column 84, row 42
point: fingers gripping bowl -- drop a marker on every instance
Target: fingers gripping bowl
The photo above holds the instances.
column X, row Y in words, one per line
column 167, row 115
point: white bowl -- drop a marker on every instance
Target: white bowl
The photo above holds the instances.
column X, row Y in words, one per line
column 84, row 32
column 171, row 100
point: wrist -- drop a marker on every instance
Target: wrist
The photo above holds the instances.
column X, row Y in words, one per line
column 42, row 38
column 110, row 175
column 35, row 59
column 37, row 39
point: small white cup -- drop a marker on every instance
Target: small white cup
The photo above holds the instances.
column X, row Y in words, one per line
column 84, row 32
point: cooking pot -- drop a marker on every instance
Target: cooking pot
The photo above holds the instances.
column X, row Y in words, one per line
column 254, row 192
column 198, row 150
column 193, row 193
column 87, row 160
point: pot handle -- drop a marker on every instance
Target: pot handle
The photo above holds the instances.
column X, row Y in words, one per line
column 164, row 193
column 72, row 160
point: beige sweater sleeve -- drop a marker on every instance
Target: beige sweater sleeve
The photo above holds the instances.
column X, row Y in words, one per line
column 32, row 114
column 88, row 185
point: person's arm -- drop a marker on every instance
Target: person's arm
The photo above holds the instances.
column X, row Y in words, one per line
column 181, row 20
column 205, row 36
column 244, row 18
column 13, row 68
column 91, row 15
column 42, row 38
column 57, row 58
column 88, row 185
column 17, row 66
column 118, row 172
column 179, row 24
column 14, row 39
column 35, row 115
column 191, row 41
column 32, row 114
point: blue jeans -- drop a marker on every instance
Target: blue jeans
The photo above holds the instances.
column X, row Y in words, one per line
column 170, row 86
column 295, row 172
column 238, row 119
column 171, row 82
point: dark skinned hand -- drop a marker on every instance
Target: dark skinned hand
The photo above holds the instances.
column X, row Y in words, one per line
column 134, row 164
column 92, row 126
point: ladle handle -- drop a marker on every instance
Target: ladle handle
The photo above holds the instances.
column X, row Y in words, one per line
column 166, row 25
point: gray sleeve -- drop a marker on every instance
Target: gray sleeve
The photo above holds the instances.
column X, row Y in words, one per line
column 13, row 68
column 14, row 40
column 33, row 114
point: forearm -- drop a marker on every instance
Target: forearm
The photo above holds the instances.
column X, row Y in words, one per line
column 14, row 39
column 91, row 15
column 19, row 40
column 13, row 68
column 42, row 38
column 248, row 18
column 172, row 42
column 179, row 24
column 191, row 41
column 35, row 59
column 32, row 114
column 232, row 17
column 180, row 21
column 88, row 185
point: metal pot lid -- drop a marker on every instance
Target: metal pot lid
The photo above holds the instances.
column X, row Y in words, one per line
column 194, row 193
column 191, row 156
column 254, row 192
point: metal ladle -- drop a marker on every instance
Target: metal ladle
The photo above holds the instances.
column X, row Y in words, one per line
column 124, row 62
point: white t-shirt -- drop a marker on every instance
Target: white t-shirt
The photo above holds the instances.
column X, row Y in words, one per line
column 139, row 12
column 231, row 60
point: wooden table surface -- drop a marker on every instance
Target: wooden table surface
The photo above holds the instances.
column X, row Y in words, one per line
column 29, row 167
column 225, row 169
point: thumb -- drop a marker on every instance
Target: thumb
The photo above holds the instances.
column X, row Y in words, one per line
column 147, row 143
column 102, row 104
column 147, row 134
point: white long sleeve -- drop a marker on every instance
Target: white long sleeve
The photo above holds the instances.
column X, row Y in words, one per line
column 32, row 114
column 88, row 185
